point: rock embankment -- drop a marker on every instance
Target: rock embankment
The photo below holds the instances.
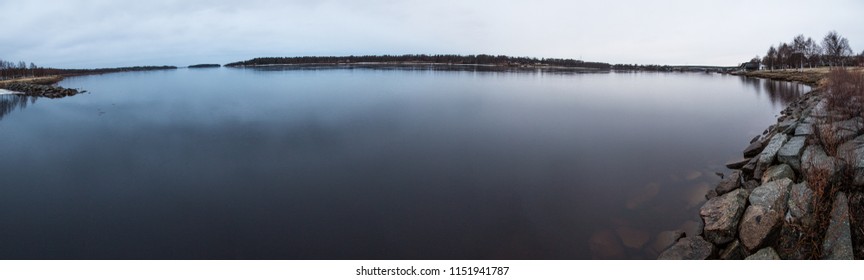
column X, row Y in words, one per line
column 791, row 195
column 37, row 90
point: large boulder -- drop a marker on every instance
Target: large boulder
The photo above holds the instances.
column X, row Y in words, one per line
column 754, row 149
column 787, row 125
column 771, row 195
column 722, row 214
column 842, row 131
column 750, row 167
column 778, row 172
column 689, row 248
column 759, row 223
column 838, row 238
column 737, row 164
column 729, row 183
column 790, row 153
column 769, row 154
column 767, row 253
column 800, row 205
column 814, row 159
column 804, row 129
column 852, row 153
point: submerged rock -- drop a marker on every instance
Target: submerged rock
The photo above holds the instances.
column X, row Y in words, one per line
column 604, row 244
column 767, row 253
column 642, row 196
column 665, row 239
column 722, row 214
column 689, row 248
column 838, row 238
column 632, row 238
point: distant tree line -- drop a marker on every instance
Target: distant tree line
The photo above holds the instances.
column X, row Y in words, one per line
column 643, row 67
column 802, row 52
column 21, row 69
column 499, row 60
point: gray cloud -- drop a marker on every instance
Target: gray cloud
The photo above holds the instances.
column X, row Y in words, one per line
column 100, row 33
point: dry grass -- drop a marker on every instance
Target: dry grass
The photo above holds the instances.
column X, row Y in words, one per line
column 810, row 76
column 33, row 80
column 820, row 181
column 845, row 93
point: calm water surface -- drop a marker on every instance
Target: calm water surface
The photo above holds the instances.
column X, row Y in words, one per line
column 369, row 163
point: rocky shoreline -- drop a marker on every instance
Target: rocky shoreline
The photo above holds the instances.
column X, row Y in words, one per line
column 791, row 196
column 39, row 88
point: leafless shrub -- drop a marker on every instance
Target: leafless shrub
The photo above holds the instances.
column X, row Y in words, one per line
column 845, row 93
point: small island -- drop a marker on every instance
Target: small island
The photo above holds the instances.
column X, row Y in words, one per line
column 204, row 66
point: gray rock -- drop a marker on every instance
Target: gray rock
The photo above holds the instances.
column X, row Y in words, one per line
column 814, row 158
column 665, row 239
column 843, row 131
column 838, row 238
column 772, row 195
column 737, row 164
column 733, row 251
column 853, row 125
column 804, row 129
column 753, row 149
column 722, row 214
column 800, row 205
column 767, row 253
column 790, row 153
column 786, row 125
column 751, row 185
column 730, row 183
column 758, row 224
column 852, row 153
column 769, row 154
column 778, row 172
column 750, row 167
column 689, row 248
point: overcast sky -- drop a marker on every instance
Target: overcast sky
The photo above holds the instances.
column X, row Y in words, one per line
column 102, row 33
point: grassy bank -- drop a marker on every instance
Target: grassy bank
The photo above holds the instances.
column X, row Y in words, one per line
column 47, row 80
column 809, row 76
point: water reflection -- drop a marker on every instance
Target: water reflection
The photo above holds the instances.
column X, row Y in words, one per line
column 778, row 92
column 10, row 102
column 368, row 164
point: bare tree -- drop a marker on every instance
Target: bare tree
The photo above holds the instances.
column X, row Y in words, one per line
column 799, row 50
column 813, row 51
column 784, row 55
column 770, row 58
column 836, row 48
